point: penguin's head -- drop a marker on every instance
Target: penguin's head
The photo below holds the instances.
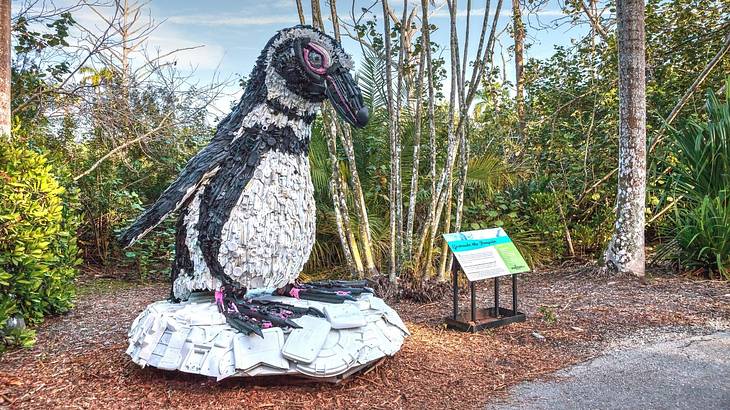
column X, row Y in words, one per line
column 312, row 66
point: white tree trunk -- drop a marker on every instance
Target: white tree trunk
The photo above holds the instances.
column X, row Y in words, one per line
column 416, row 155
column 433, row 216
column 5, row 72
column 338, row 197
column 394, row 149
column 625, row 252
column 357, row 192
column 518, row 28
column 398, row 176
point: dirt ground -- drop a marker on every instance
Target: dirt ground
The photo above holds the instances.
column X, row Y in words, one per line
column 79, row 359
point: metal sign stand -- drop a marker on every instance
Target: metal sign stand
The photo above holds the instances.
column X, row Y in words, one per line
column 482, row 318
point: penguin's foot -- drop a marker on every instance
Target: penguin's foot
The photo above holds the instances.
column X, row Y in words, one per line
column 251, row 316
column 330, row 291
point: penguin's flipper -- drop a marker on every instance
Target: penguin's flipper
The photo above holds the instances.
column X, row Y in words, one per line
column 198, row 169
column 221, row 195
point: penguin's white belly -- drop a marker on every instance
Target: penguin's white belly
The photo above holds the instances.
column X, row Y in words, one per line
column 269, row 234
column 271, row 230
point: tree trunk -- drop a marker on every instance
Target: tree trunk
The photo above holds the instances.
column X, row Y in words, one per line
column 461, row 186
column 338, row 187
column 335, row 20
column 300, row 12
column 337, row 194
column 463, row 135
column 445, row 256
column 317, row 21
column 357, row 192
column 433, row 216
column 518, row 28
column 398, row 175
column 393, row 148
column 625, row 252
column 431, row 133
column 5, row 73
column 416, row 156
column 359, row 200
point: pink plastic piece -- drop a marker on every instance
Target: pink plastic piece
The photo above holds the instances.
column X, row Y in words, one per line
column 219, row 297
column 294, row 292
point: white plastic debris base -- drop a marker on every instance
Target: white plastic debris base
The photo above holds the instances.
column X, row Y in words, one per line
column 194, row 337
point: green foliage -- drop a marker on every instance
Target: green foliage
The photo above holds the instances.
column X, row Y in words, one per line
column 553, row 183
column 701, row 177
column 38, row 250
column 570, row 144
column 548, row 314
column 152, row 255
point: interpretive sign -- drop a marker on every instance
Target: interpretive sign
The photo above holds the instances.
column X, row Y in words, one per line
column 486, row 253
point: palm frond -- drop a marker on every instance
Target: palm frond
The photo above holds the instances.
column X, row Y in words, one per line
column 488, row 173
column 371, row 79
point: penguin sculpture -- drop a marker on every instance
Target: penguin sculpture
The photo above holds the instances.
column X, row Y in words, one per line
column 247, row 212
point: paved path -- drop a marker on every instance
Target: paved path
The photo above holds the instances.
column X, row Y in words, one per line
column 686, row 372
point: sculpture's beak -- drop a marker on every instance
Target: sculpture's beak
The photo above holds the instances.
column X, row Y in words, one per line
column 345, row 96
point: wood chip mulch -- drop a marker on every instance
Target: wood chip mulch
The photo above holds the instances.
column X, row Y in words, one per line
column 79, row 359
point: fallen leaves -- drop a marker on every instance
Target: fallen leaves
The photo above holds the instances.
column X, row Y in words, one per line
column 79, row 360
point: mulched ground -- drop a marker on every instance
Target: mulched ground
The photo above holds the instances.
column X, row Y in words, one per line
column 79, row 360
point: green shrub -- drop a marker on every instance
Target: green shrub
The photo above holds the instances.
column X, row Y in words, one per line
column 702, row 179
column 38, row 250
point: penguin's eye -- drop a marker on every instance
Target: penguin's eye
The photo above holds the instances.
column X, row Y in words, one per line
column 316, row 60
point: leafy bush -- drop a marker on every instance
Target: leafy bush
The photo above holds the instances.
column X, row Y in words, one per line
column 702, row 179
column 38, row 250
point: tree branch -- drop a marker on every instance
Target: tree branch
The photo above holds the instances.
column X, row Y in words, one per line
column 123, row 146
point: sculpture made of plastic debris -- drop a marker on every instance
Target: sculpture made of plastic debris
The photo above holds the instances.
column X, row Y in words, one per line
column 246, row 228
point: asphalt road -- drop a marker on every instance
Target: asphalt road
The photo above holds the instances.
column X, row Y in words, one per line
column 684, row 372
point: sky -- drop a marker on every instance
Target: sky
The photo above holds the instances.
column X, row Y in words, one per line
column 228, row 35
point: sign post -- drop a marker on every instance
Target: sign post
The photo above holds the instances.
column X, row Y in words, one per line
column 481, row 255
